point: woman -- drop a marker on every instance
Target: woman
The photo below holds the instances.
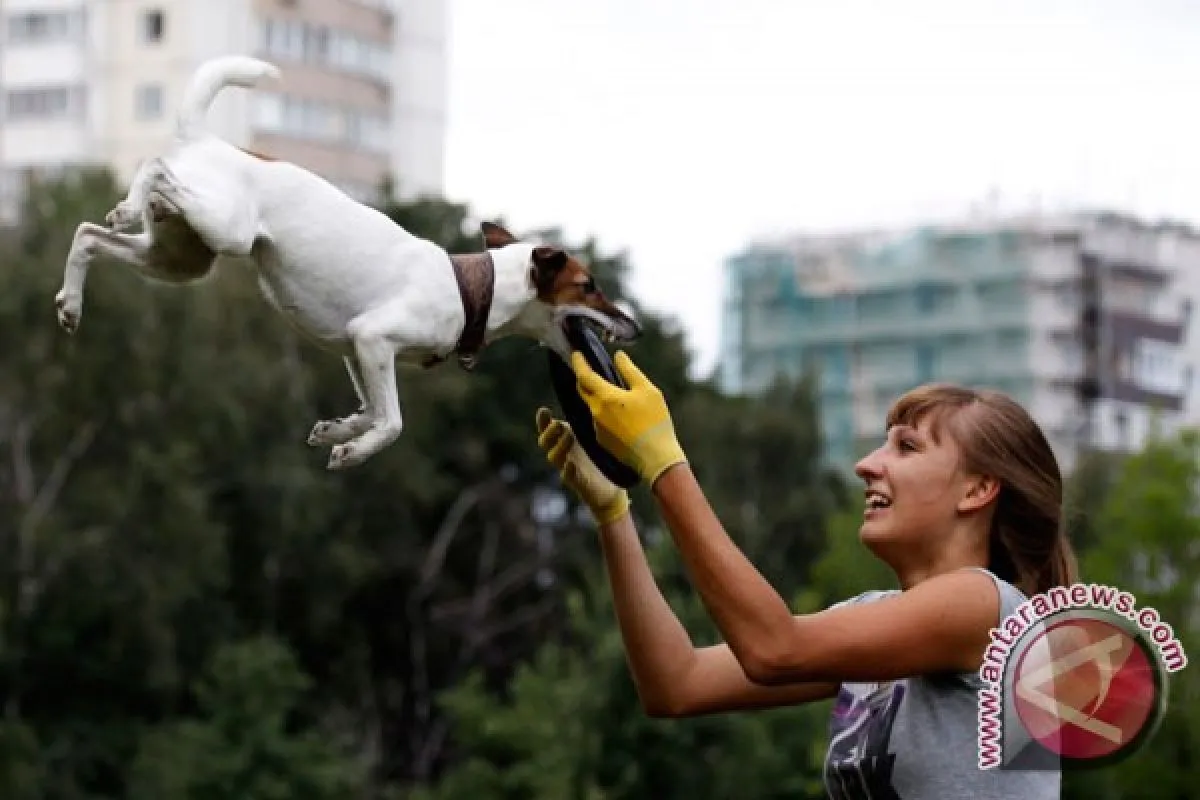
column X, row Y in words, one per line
column 963, row 502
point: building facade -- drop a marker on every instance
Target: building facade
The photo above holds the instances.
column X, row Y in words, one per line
column 363, row 96
column 1086, row 320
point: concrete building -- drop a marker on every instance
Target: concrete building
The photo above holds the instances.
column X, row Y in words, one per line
column 363, row 94
column 1087, row 320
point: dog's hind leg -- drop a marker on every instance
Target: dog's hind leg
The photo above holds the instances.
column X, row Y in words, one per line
column 90, row 241
column 373, row 335
column 132, row 209
column 222, row 215
column 329, row 432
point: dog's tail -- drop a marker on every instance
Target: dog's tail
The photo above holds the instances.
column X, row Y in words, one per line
column 212, row 77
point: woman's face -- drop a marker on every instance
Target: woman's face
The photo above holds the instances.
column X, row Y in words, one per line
column 914, row 486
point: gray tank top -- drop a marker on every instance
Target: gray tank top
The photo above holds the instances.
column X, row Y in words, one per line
column 918, row 737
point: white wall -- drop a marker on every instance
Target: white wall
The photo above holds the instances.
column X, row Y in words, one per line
column 420, row 96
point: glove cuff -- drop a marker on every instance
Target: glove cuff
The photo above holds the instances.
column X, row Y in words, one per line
column 656, row 451
column 652, row 476
column 613, row 510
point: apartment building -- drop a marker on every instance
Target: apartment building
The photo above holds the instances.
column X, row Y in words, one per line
column 1085, row 319
column 363, row 95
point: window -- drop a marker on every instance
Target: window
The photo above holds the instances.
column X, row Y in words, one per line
column 328, row 122
column 45, row 103
column 12, row 193
column 1157, row 367
column 12, row 179
column 1001, row 295
column 1067, row 297
column 154, row 26
column 148, row 101
column 1008, row 341
column 331, row 47
column 1122, row 425
column 926, row 298
column 879, row 304
column 316, row 43
column 45, row 27
column 925, row 363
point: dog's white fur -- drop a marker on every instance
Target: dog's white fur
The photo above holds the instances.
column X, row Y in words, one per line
column 340, row 271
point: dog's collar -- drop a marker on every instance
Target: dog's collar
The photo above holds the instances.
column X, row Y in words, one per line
column 476, row 277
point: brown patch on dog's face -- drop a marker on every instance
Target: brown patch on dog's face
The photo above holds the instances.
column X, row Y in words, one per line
column 564, row 281
column 560, row 278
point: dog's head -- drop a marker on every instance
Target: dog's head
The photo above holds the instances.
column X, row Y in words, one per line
column 562, row 287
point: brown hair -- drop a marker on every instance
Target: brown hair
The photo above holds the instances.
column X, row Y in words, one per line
column 1028, row 545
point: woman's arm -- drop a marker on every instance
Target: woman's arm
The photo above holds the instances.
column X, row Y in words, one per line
column 940, row 625
column 672, row 676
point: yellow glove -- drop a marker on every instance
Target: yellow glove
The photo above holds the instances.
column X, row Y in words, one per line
column 633, row 424
column 606, row 500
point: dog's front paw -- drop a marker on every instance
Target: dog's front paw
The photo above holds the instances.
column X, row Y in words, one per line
column 69, row 306
column 123, row 217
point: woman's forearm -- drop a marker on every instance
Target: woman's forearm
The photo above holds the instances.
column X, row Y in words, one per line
column 752, row 617
column 658, row 648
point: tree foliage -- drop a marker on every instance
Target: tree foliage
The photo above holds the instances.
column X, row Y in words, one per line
column 1148, row 543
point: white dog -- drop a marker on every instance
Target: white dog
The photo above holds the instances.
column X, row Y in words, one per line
column 341, row 272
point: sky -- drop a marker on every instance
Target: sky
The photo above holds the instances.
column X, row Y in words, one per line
column 677, row 131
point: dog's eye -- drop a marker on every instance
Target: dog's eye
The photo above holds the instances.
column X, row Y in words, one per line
column 588, row 286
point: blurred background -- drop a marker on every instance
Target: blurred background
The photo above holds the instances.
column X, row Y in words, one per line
column 812, row 207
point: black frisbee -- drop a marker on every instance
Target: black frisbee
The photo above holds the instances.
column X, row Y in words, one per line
column 576, row 411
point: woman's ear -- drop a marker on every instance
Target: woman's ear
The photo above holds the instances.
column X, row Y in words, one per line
column 980, row 491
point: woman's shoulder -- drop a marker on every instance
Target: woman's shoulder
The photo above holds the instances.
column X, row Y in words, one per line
column 1010, row 596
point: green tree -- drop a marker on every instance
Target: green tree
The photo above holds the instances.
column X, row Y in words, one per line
column 570, row 727
column 21, row 776
column 243, row 743
column 1146, row 532
column 1085, row 488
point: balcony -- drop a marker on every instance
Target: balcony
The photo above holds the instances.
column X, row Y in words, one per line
column 1132, row 326
column 1122, row 249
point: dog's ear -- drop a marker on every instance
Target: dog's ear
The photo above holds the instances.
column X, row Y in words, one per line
column 495, row 236
column 547, row 263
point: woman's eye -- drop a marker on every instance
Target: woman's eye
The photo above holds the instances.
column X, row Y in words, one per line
column 906, row 444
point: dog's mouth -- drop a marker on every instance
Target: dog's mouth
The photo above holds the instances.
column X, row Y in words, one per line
column 616, row 328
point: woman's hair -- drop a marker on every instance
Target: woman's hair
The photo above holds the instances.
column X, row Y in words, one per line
column 1028, row 545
